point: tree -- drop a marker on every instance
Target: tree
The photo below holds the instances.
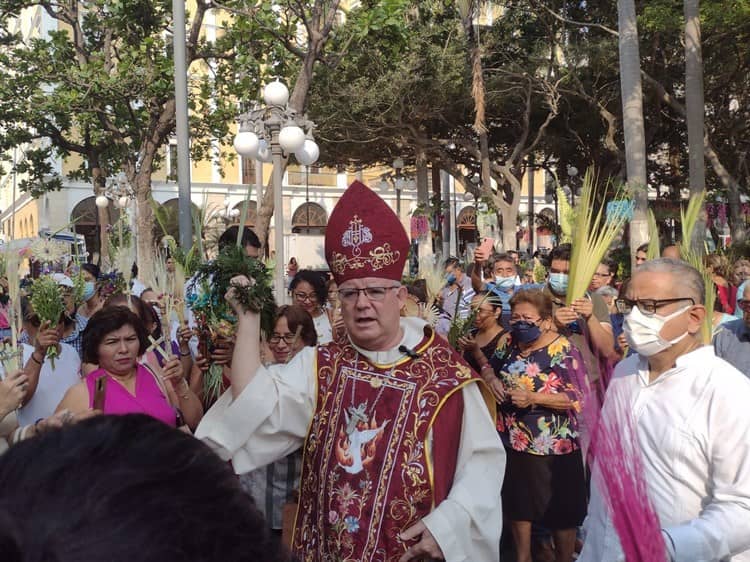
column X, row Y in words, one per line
column 408, row 89
column 694, row 106
column 102, row 86
column 632, row 115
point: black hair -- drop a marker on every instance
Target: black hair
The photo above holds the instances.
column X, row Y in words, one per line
column 453, row 261
column 229, row 237
column 132, row 488
column 494, row 301
column 642, row 248
column 561, row 252
column 316, row 280
column 418, row 289
column 106, row 321
column 91, row 268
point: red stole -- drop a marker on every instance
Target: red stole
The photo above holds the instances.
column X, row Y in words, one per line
column 368, row 471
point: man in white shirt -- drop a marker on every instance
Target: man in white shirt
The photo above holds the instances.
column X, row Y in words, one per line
column 690, row 416
column 401, row 457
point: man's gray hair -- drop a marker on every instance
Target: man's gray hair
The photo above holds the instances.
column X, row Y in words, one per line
column 683, row 274
column 607, row 291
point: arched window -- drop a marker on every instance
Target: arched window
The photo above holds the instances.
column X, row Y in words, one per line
column 252, row 213
column 309, row 218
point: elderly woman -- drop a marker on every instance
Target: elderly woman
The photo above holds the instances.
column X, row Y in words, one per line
column 544, row 480
column 276, row 484
column 309, row 291
column 114, row 340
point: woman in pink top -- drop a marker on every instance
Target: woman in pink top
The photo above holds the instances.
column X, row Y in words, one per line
column 114, row 339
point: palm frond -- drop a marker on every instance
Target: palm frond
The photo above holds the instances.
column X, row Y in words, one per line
column 653, row 250
column 594, row 234
column 689, row 218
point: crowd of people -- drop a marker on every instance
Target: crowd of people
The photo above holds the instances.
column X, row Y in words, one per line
column 356, row 431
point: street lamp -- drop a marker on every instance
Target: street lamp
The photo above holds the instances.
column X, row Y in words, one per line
column 121, row 193
column 230, row 214
column 276, row 130
column 399, row 180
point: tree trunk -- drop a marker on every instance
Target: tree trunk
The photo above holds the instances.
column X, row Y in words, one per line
column 736, row 221
column 144, row 223
column 633, row 127
column 99, row 181
column 695, row 115
column 509, row 214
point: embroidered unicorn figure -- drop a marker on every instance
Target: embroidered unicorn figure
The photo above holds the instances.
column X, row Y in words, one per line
column 355, row 449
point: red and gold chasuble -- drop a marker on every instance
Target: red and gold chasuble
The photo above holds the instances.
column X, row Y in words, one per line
column 367, row 473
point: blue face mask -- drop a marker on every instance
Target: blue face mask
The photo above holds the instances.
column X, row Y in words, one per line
column 524, row 332
column 88, row 290
column 505, row 282
column 450, row 279
column 558, row 282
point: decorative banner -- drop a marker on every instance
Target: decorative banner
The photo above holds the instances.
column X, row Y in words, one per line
column 621, row 208
column 420, row 227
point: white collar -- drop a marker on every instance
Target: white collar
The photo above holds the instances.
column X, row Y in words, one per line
column 695, row 359
column 413, row 333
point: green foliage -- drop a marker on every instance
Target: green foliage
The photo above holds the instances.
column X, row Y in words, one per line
column 47, row 302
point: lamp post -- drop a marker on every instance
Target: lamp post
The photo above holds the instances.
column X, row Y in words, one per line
column 399, row 180
column 121, row 193
column 287, row 132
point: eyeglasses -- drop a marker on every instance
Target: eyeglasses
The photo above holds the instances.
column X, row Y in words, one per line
column 646, row 306
column 276, row 338
column 744, row 304
column 302, row 297
column 372, row 293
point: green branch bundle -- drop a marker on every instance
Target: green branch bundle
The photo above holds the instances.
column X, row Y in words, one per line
column 214, row 316
column 594, row 234
column 48, row 304
column 653, row 237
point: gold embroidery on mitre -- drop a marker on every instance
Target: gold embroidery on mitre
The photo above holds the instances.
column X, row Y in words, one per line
column 378, row 258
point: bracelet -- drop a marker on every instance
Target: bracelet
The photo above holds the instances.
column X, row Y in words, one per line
column 35, row 360
column 483, row 367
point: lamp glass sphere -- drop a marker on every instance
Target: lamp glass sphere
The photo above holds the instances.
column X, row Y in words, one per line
column 308, row 154
column 398, row 163
column 102, row 202
column 291, row 138
column 122, row 202
column 276, row 93
column 246, row 144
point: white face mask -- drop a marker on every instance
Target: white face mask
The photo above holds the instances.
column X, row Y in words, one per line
column 644, row 332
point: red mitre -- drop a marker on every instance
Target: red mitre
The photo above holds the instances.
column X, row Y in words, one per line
column 365, row 238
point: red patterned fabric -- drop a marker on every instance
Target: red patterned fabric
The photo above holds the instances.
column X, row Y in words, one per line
column 368, row 472
column 365, row 238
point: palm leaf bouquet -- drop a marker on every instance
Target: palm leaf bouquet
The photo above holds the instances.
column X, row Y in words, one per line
column 214, row 316
column 689, row 218
column 593, row 235
column 47, row 301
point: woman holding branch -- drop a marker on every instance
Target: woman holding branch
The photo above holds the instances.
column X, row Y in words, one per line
column 114, row 340
column 544, row 480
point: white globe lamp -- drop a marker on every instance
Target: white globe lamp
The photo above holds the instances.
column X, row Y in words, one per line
column 276, row 93
column 291, row 138
column 246, row 144
column 308, row 154
column 123, row 201
column 102, row 202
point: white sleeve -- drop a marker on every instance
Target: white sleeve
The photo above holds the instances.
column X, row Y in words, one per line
column 269, row 419
column 468, row 523
column 723, row 527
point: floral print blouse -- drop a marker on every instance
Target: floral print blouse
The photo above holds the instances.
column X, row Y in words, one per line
column 538, row 430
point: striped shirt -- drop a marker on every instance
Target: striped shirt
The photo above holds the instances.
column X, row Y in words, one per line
column 274, row 485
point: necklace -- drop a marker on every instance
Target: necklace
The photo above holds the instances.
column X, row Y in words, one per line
column 374, row 383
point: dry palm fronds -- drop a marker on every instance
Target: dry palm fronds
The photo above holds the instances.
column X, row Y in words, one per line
column 431, row 271
column 162, row 282
column 653, row 237
column 689, row 218
column 594, row 234
column 10, row 356
column 567, row 217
